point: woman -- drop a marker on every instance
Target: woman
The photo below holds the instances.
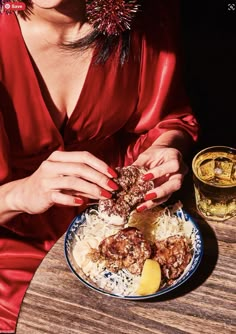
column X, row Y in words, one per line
column 80, row 95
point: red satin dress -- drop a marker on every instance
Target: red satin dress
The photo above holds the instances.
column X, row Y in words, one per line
column 120, row 112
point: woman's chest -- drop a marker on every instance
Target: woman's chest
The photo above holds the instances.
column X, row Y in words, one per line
column 61, row 76
column 107, row 98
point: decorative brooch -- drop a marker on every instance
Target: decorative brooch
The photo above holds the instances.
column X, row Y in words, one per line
column 111, row 17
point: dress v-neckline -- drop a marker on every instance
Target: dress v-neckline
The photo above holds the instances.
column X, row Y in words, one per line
column 36, row 85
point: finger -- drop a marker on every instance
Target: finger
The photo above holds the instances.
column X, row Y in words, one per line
column 164, row 169
column 151, row 204
column 160, row 180
column 83, row 157
column 165, row 189
column 73, row 193
column 64, row 199
column 78, row 186
column 80, row 171
column 82, row 194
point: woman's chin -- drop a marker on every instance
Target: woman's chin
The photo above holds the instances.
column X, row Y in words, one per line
column 47, row 4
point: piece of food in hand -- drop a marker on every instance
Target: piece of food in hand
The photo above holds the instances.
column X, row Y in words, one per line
column 131, row 192
column 150, row 278
column 126, row 249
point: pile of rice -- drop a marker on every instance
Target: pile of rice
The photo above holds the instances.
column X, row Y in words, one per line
column 156, row 224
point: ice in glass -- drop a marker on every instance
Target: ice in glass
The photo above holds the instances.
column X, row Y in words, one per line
column 214, row 176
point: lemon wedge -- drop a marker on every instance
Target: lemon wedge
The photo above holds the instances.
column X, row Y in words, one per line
column 150, row 278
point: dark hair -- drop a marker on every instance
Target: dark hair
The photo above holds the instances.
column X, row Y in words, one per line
column 103, row 44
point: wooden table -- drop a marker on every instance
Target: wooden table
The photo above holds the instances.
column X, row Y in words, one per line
column 56, row 302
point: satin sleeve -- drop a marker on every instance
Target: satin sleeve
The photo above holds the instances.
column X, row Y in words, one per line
column 163, row 104
column 4, row 153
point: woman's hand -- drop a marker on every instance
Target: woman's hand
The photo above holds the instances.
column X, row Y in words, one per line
column 65, row 178
column 166, row 169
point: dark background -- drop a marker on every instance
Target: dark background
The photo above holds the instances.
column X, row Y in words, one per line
column 209, row 44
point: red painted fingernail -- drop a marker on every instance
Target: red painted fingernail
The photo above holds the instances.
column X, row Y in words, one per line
column 148, row 177
column 105, row 193
column 141, row 208
column 112, row 185
column 112, row 172
column 78, row 200
column 147, row 197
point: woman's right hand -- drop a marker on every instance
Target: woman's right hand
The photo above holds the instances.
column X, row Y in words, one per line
column 65, row 178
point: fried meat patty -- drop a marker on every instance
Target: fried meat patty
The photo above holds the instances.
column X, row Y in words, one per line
column 173, row 254
column 125, row 249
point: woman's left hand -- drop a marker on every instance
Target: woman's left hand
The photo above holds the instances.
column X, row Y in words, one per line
column 166, row 168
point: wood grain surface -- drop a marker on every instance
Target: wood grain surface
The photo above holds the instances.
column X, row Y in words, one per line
column 57, row 303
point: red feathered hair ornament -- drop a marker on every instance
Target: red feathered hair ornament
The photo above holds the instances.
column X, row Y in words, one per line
column 111, row 17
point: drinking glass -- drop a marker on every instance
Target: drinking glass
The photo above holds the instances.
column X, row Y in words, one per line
column 214, row 178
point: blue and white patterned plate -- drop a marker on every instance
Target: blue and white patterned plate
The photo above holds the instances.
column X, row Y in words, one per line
column 70, row 240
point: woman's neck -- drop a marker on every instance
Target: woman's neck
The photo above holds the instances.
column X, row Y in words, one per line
column 61, row 23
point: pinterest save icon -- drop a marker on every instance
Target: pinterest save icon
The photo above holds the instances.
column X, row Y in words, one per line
column 17, row 5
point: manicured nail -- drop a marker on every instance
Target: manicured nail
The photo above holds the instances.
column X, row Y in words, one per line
column 148, row 177
column 78, row 201
column 112, row 172
column 112, row 185
column 105, row 193
column 150, row 196
column 141, row 208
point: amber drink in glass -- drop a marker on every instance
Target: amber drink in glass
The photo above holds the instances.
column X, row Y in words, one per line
column 214, row 177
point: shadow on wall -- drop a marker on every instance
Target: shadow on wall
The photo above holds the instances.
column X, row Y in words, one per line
column 209, row 31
